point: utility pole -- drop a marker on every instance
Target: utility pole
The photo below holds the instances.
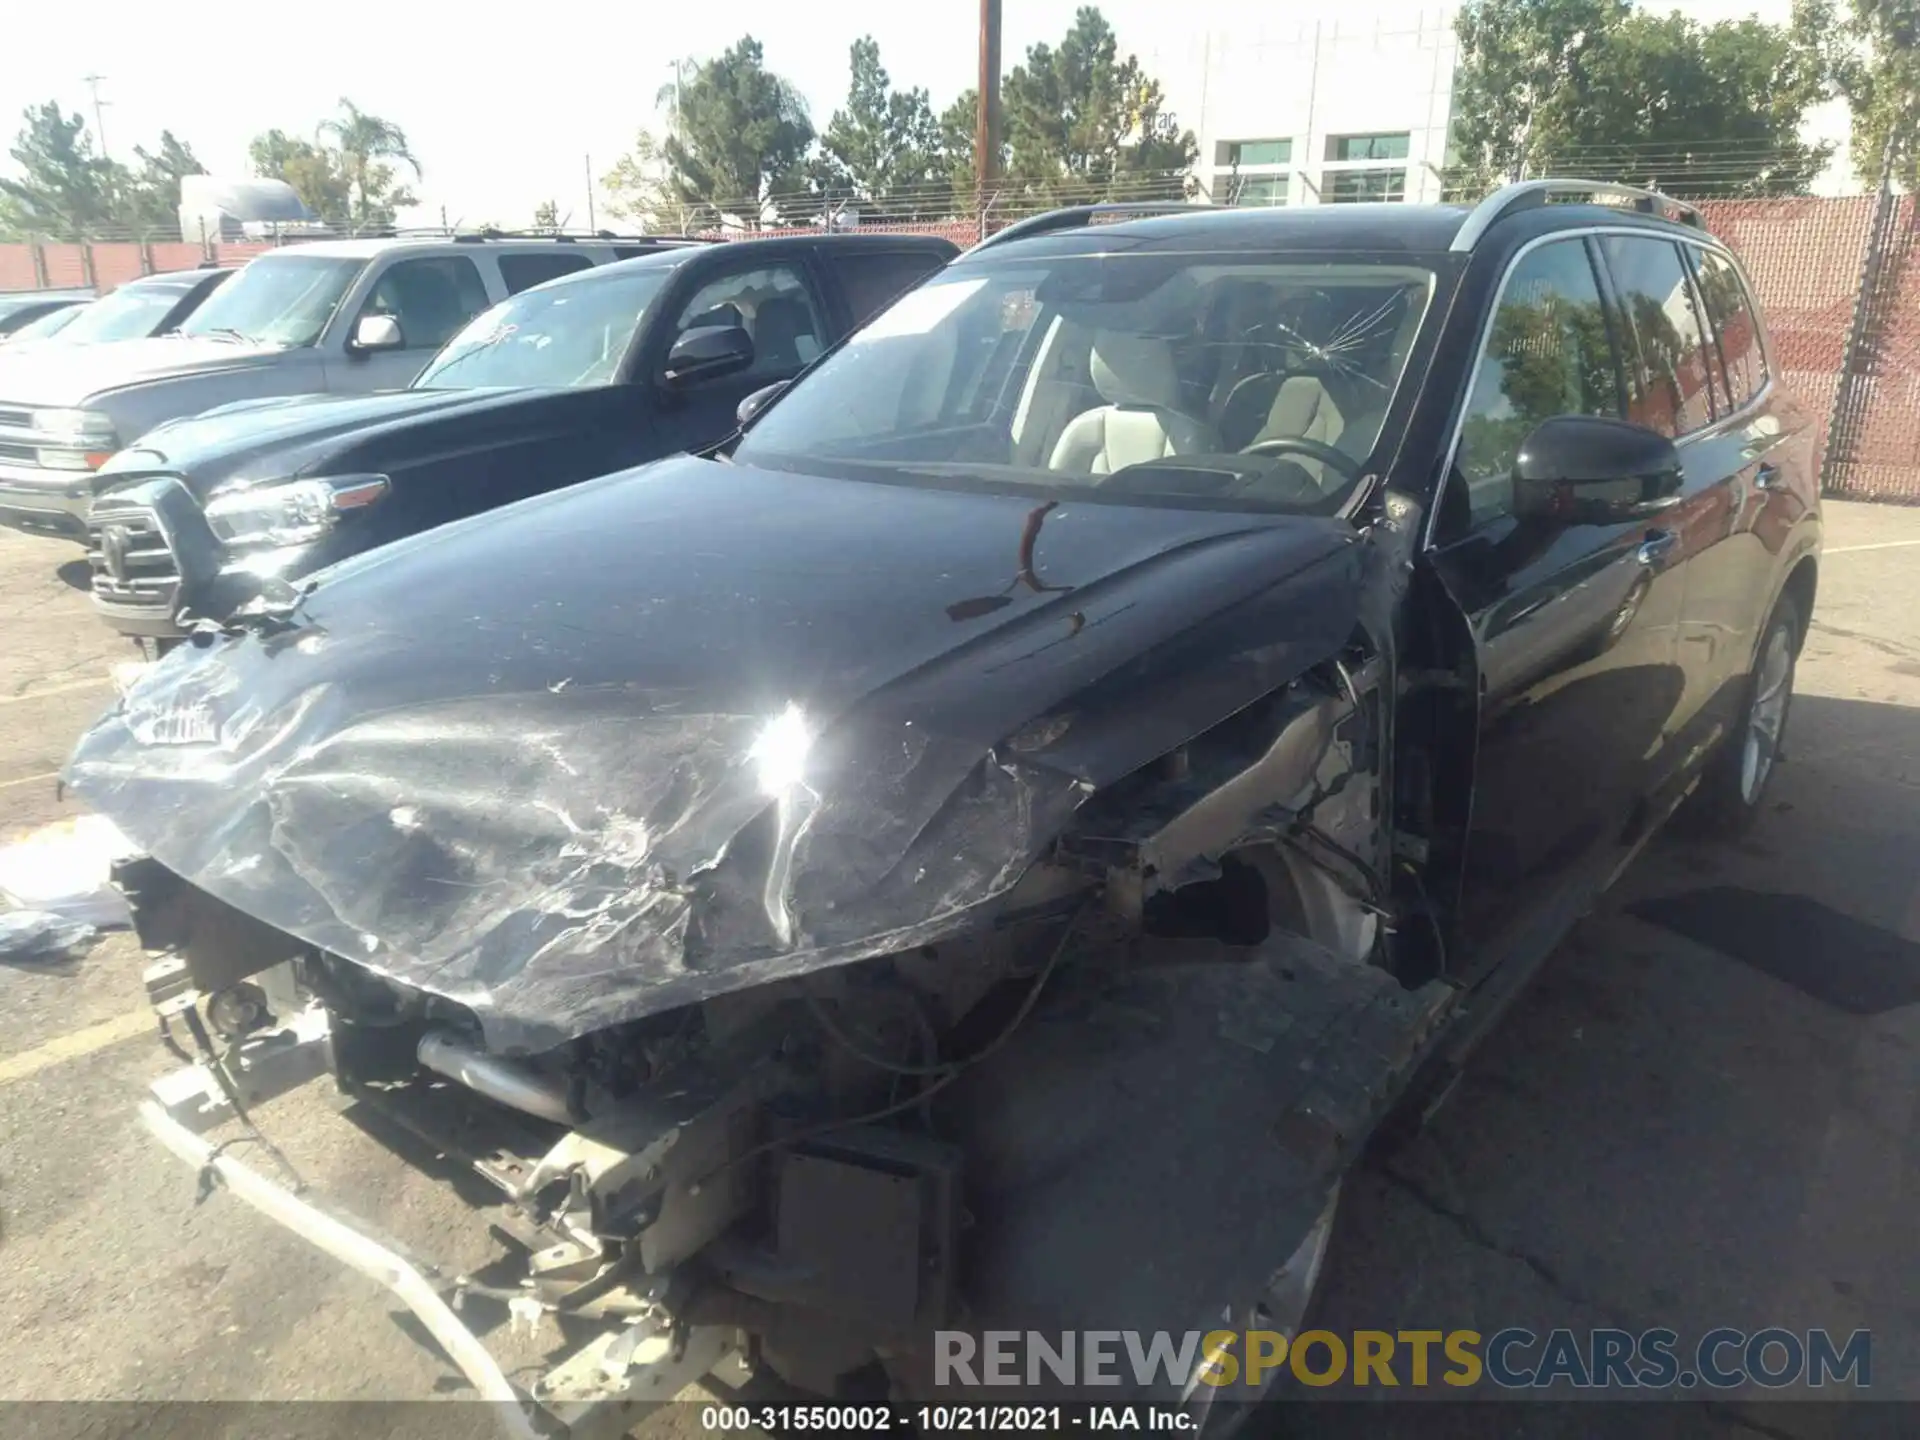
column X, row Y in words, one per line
column 986, row 127
column 591, row 227
column 92, row 83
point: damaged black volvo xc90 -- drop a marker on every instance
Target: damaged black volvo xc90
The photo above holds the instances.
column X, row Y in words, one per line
column 982, row 847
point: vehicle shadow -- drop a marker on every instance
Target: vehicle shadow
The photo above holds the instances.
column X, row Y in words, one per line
column 1700, row 1111
column 76, row 574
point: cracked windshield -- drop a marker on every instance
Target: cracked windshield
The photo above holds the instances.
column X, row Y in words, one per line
column 1213, row 379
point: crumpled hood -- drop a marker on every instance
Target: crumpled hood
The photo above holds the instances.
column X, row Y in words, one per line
column 69, row 375
column 696, row 726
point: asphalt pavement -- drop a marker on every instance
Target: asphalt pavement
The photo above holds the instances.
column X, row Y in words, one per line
column 1701, row 1114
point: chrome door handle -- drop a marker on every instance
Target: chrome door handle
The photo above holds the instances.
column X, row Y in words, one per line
column 1766, row 477
column 1656, row 547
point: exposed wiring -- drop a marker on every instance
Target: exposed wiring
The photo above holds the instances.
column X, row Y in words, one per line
column 216, row 1064
column 950, row 1073
column 846, row 1041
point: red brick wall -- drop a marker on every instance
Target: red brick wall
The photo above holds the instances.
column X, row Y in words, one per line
column 1804, row 256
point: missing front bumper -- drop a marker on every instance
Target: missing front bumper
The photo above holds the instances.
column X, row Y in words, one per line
column 600, row 1389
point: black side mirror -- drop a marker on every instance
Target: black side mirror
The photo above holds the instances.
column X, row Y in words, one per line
column 710, row 350
column 1592, row 470
column 758, row 401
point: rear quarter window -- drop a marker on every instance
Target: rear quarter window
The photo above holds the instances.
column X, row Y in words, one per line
column 523, row 272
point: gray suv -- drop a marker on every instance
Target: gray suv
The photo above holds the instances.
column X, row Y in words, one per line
column 331, row 317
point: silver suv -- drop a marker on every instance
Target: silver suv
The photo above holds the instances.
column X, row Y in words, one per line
column 331, row 317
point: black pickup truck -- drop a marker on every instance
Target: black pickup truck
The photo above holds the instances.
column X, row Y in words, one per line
column 589, row 373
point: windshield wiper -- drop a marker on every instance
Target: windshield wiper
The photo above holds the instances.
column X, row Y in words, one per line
column 227, row 332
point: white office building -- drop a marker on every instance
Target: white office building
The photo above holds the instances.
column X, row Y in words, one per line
column 1317, row 109
column 1348, row 102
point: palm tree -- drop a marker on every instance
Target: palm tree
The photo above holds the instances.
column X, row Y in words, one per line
column 364, row 141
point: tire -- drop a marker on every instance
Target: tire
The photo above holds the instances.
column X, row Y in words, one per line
column 1735, row 783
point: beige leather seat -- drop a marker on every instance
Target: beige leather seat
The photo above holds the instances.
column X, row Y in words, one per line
column 1306, row 409
column 1135, row 375
column 1310, row 408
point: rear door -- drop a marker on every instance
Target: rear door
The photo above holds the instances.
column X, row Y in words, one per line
column 1573, row 624
column 1729, row 584
column 778, row 301
column 1677, row 386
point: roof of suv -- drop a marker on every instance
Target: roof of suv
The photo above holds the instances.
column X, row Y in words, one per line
column 367, row 247
column 1374, row 226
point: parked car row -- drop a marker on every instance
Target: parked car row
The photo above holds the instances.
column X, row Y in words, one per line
column 19, row 309
column 1127, row 716
column 594, row 372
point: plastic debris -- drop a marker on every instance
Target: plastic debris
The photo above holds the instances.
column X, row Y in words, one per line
column 36, row 935
column 62, row 870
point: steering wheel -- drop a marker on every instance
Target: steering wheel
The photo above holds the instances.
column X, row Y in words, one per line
column 1312, row 449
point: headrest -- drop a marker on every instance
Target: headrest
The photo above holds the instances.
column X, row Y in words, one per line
column 1133, row 369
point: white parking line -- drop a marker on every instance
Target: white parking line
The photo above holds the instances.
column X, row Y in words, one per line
column 72, row 1046
column 29, row 779
column 69, row 687
column 1883, row 545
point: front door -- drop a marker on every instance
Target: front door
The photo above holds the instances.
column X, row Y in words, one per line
column 1574, row 625
column 430, row 297
column 778, row 305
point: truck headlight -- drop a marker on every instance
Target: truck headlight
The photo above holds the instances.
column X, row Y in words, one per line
column 86, row 437
column 290, row 512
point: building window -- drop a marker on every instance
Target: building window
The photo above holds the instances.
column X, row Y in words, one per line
column 1348, row 186
column 1252, row 152
column 1231, row 189
column 1367, row 147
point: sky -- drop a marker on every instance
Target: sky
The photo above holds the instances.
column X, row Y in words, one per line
column 508, row 106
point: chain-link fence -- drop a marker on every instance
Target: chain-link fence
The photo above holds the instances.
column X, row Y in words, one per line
column 1838, row 277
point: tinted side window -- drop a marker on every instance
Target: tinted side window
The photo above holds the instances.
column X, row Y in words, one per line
column 873, row 282
column 1548, row 353
column 523, row 272
column 431, row 297
column 1667, row 356
column 1735, row 322
column 776, row 307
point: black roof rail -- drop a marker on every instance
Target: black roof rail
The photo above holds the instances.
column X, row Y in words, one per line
column 1526, row 194
column 570, row 237
column 1074, row 216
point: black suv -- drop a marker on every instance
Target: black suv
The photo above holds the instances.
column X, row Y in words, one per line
column 1091, row 744
column 596, row 371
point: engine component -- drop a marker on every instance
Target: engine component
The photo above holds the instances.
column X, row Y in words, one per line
column 512, row 1085
column 237, row 1010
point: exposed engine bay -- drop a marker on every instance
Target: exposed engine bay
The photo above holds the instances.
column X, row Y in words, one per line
column 1187, row 1002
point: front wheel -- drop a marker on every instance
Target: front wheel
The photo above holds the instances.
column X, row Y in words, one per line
column 1736, row 780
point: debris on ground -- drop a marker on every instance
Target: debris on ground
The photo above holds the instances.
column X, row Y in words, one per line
column 62, row 870
column 35, row 935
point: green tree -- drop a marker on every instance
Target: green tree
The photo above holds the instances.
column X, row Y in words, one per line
column 1082, row 123
column 740, row 135
column 1879, row 72
column 957, row 134
column 639, row 188
column 885, row 148
column 1597, row 89
column 312, row 170
column 152, row 198
column 63, row 187
column 368, row 148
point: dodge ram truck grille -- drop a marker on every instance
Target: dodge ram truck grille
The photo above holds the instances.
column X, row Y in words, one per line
column 14, row 418
column 133, row 566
